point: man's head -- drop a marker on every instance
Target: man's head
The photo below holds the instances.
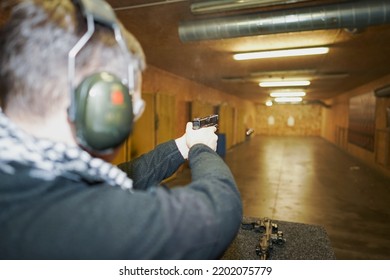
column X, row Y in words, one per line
column 34, row 48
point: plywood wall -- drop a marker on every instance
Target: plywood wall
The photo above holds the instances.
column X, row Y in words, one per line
column 335, row 126
column 166, row 121
column 287, row 120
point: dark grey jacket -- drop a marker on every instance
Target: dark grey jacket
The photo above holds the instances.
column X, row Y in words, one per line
column 67, row 220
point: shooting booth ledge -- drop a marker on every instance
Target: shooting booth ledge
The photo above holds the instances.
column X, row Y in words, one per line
column 303, row 242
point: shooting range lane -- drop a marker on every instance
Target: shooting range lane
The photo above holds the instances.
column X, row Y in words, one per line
column 307, row 180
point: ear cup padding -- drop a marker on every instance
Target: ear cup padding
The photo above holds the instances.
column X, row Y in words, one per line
column 104, row 112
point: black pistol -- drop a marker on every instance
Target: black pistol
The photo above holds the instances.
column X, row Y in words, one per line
column 211, row 120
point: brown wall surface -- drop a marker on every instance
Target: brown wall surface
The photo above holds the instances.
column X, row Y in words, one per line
column 335, row 126
column 307, row 120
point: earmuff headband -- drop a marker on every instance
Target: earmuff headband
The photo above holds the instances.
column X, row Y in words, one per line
column 100, row 12
column 101, row 107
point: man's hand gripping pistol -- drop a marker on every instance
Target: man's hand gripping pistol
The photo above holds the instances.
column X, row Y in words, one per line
column 211, row 120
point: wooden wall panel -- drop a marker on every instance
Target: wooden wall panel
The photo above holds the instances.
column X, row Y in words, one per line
column 382, row 135
column 144, row 137
column 382, row 146
column 361, row 123
column 201, row 109
column 240, row 127
column 183, row 115
column 227, row 123
column 337, row 120
column 382, row 120
column 166, row 118
column 307, row 120
column 123, row 154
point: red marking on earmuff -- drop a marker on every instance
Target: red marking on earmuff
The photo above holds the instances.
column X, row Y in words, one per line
column 117, row 97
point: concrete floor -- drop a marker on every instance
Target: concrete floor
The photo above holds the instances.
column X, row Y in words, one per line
column 308, row 180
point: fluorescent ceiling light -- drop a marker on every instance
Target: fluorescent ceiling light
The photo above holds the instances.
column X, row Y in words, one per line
column 288, row 99
column 284, row 83
column 287, row 94
column 281, row 53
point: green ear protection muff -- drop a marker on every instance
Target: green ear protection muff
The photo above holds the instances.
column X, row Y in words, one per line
column 101, row 105
column 104, row 114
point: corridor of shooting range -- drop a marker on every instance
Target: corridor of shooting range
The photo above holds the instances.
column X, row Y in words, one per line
column 310, row 181
column 323, row 160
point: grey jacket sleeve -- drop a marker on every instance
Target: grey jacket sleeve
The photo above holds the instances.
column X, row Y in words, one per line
column 196, row 221
column 153, row 167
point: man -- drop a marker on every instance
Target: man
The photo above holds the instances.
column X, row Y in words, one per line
column 58, row 200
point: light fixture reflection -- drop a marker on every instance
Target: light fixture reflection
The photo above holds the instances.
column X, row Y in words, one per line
column 284, row 83
column 281, row 53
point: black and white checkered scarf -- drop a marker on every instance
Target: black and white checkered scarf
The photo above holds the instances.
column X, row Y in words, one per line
column 49, row 159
